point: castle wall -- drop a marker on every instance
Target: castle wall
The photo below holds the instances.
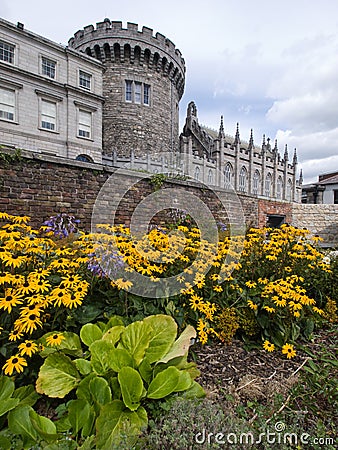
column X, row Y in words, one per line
column 147, row 62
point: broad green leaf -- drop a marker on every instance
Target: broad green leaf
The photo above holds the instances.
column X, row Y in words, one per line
column 120, row 357
column 195, row 391
column 82, row 390
column 83, row 366
column 100, row 390
column 136, row 339
column 88, row 428
column 184, row 382
column 181, row 346
column 131, row 387
column 45, row 427
column 146, row 370
column 78, row 414
column 113, row 322
column 116, row 423
column 57, row 376
column 115, row 388
column 90, row 333
column 113, row 334
column 164, row 383
column 163, row 334
column 26, row 394
column 101, row 355
column 8, row 405
column 7, row 387
column 20, row 423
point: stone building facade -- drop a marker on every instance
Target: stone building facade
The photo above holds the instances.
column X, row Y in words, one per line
column 143, row 82
column 112, row 96
column 50, row 96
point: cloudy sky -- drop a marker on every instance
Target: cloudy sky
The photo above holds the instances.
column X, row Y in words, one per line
column 271, row 65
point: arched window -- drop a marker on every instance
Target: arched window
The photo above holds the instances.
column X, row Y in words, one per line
column 268, row 184
column 197, row 173
column 256, row 182
column 243, row 180
column 279, row 187
column 97, row 51
column 117, row 52
column 107, row 54
column 84, row 158
column 210, row 177
column 228, row 173
column 127, row 52
column 137, row 54
column 289, row 190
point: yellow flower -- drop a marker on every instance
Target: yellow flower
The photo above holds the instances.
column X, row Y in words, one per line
column 268, row 346
column 251, row 284
column 288, row 350
column 10, row 300
column 218, row 288
column 124, row 284
column 28, row 348
column 55, row 339
column 252, row 305
column 195, row 301
column 269, row 309
column 318, row 310
column 15, row 335
column 15, row 362
column 28, row 323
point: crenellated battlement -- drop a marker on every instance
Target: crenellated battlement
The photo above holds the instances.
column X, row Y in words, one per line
column 112, row 32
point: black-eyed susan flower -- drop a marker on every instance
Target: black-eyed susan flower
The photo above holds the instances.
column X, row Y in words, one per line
column 55, row 339
column 268, row 346
column 28, row 323
column 252, row 305
column 15, row 362
column 288, row 350
column 10, row 300
column 28, row 348
column 124, row 284
column 14, row 260
column 15, row 334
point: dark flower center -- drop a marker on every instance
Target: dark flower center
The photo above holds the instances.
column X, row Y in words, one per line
column 15, row 360
column 9, row 298
column 32, row 317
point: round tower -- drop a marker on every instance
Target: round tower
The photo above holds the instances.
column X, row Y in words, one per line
column 143, row 82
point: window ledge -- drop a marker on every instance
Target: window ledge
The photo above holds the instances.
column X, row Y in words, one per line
column 49, row 131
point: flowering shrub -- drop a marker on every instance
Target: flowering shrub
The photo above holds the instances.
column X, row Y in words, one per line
column 276, row 293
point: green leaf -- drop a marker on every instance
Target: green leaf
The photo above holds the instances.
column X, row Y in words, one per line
column 115, row 388
column 71, row 345
column 164, row 383
column 136, row 339
column 44, row 426
column 113, row 322
column 83, row 366
column 132, row 388
column 146, row 370
column 100, row 390
column 116, row 424
column 82, row 390
column 8, row 405
column 181, row 346
column 7, row 387
column 57, row 376
column 88, row 444
column 184, row 381
column 90, row 333
column 101, row 356
column 195, row 391
column 162, row 337
column 120, row 357
column 26, row 394
column 78, row 414
column 19, row 422
column 113, row 334
column 88, row 428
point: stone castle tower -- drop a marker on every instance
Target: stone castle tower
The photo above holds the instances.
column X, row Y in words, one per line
column 143, row 82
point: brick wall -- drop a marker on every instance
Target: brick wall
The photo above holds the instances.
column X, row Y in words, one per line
column 41, row 186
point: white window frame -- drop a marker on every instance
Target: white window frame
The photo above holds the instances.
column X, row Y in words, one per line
column 289, row 188
column 48, row 97
column 197, row 173
column 48, row 67
column 228, row 174
column 48, row 115
column 8, row 108
column 7, row 55
column 85, row 80
column 279, row 190
column 243, row 179
column 137, row 92
column 84, row 129
column 8, row 85
column 268, row 185
column 256, row 182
